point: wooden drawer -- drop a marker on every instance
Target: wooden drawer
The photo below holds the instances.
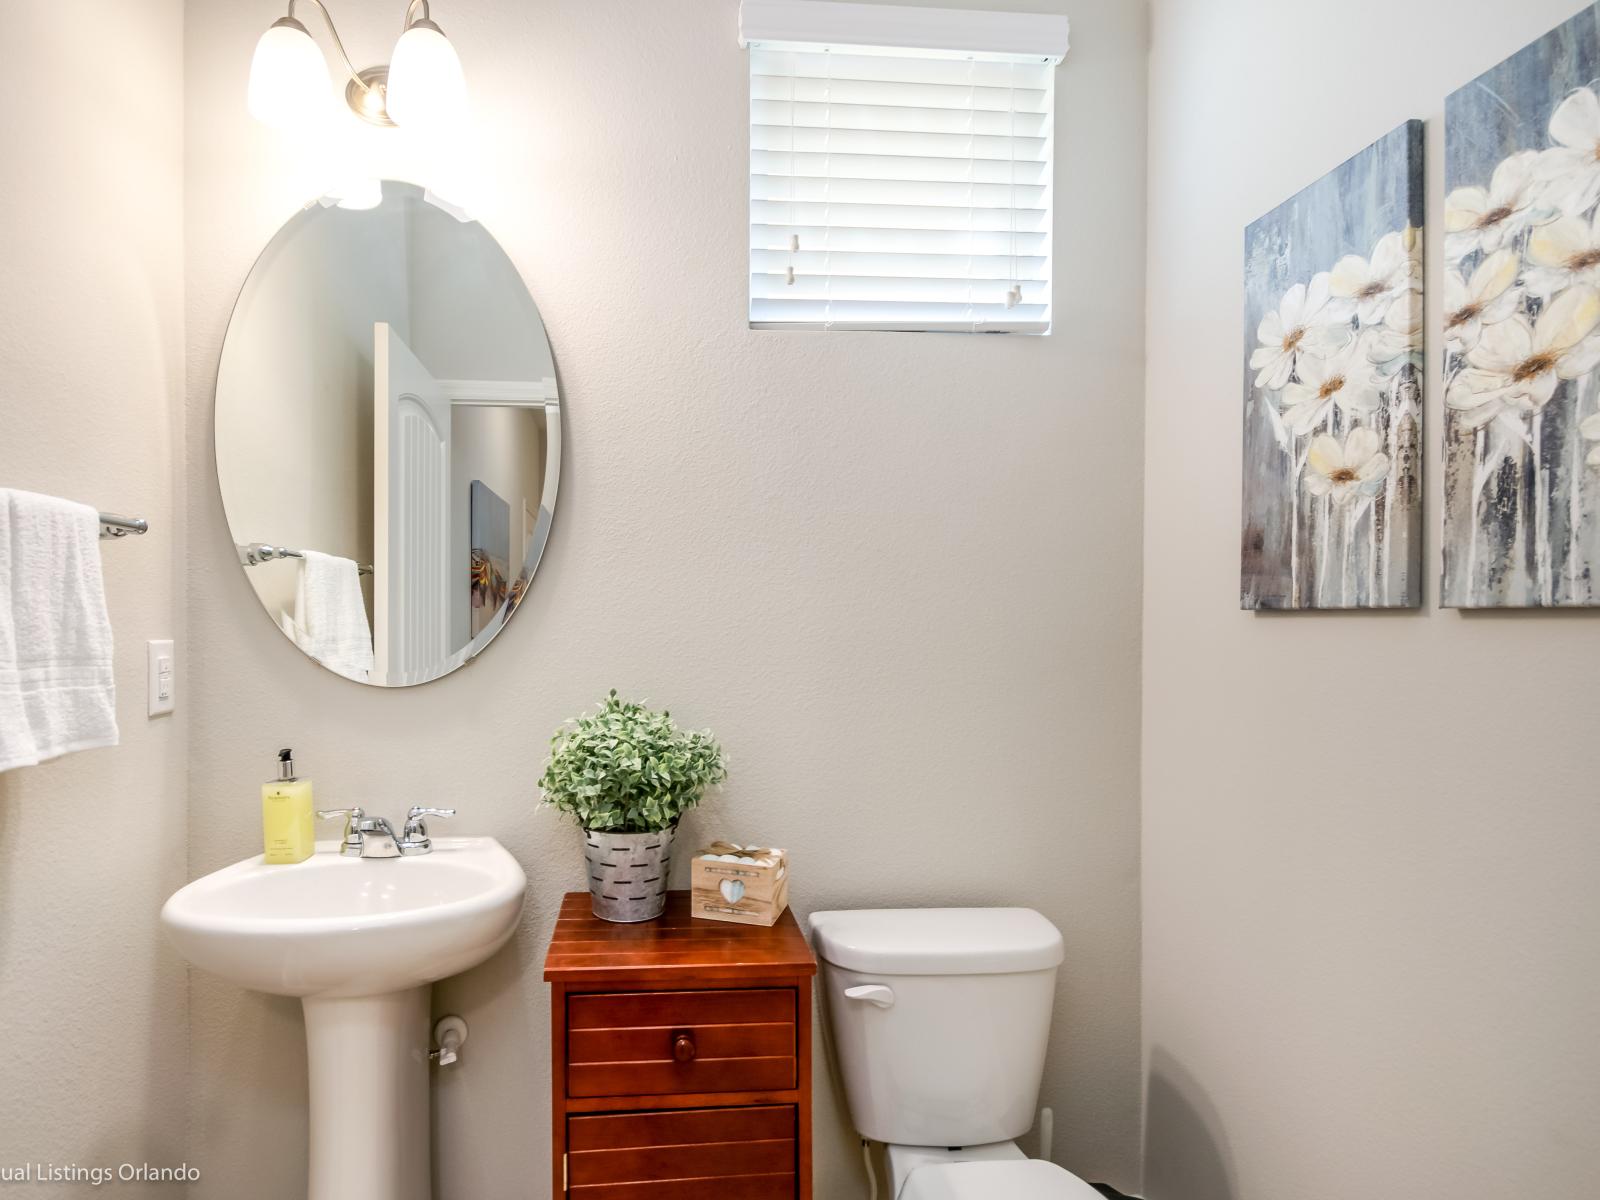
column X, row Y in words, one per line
column 670, row 1043
column 729, row 1153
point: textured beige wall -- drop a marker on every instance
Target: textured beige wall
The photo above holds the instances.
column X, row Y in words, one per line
column 91, row 372
column 897, row 574
column 1370, row 897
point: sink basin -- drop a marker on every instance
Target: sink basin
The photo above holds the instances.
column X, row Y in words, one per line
column 360, row 942
column 335, row 926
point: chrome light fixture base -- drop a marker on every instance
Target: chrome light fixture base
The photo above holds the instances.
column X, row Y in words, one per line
column 367, row 96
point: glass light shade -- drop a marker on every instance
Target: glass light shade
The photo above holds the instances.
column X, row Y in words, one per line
column 426, row 86
column 289, row 82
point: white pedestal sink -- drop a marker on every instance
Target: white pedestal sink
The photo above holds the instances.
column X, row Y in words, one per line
column 360, row 941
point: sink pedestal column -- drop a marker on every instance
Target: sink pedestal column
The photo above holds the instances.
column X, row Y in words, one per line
column 368, row 1060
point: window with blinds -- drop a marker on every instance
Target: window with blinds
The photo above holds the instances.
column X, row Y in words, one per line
column 899, row 189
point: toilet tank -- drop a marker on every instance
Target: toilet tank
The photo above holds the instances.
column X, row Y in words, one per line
column 939, row 1018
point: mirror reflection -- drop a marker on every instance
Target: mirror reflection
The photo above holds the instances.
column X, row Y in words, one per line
column 388, row 436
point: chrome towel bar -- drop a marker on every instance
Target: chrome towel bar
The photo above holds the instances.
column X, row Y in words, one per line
column 113, row 526
column 259, row 552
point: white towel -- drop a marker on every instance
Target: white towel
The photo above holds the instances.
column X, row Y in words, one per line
column 57, row 689
column 330, row 617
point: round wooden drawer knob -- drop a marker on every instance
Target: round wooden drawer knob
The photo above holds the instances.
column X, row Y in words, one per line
column 683, row 1047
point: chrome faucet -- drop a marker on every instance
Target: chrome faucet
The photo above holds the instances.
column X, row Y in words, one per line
column 360, row 829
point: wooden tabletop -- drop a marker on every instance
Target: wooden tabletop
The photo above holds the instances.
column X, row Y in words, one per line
column 675, row 945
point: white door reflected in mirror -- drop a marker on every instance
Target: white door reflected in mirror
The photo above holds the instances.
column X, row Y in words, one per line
column 411, row 513
column 387, row 398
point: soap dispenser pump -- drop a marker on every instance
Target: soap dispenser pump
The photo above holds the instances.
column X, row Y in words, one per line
column 288, row 833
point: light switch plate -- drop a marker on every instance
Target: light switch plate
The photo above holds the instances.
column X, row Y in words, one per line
column 163, row 677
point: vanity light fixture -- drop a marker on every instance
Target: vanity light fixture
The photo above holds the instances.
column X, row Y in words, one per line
column 422, row 87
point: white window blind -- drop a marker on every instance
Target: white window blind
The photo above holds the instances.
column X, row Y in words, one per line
column 899, row 189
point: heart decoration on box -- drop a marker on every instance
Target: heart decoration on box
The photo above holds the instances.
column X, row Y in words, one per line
column 732, row 890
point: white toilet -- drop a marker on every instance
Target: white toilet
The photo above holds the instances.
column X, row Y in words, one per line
column 940, row 1017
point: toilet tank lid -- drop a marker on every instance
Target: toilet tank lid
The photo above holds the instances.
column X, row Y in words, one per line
column 937, row 941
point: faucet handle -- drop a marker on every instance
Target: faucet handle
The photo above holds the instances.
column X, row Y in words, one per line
column 414, row 836
column 353, row 817
column 415, row 820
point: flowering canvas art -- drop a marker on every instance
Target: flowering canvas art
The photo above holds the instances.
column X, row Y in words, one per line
column 1522, row 327
column 1333, row 388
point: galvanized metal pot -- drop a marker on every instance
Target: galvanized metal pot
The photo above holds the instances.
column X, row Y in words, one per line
column 628, row 874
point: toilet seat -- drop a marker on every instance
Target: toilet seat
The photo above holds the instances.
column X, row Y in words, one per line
column 1029, row 1179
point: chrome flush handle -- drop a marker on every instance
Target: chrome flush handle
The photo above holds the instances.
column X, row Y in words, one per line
column 876, row 994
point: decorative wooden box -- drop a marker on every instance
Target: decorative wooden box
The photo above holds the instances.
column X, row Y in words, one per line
column 744, row 892
column 681, row 1057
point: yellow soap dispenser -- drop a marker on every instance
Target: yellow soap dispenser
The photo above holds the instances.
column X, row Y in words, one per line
column 286, row 824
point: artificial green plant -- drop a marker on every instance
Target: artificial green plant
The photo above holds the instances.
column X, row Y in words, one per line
column 629, row 769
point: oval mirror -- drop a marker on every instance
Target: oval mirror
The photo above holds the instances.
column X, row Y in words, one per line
column 388, row 436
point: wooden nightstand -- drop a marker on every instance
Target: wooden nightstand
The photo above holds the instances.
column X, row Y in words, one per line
column 680, row 1057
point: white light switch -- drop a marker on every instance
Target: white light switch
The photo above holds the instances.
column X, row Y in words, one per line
column 163, row 678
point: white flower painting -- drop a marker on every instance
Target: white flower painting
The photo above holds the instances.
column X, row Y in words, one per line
column 1522, row 328
column 1333, row 384
column 1305, row 324
column 1350, row 472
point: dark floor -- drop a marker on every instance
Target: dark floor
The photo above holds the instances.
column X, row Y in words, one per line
column 1105, row 1189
